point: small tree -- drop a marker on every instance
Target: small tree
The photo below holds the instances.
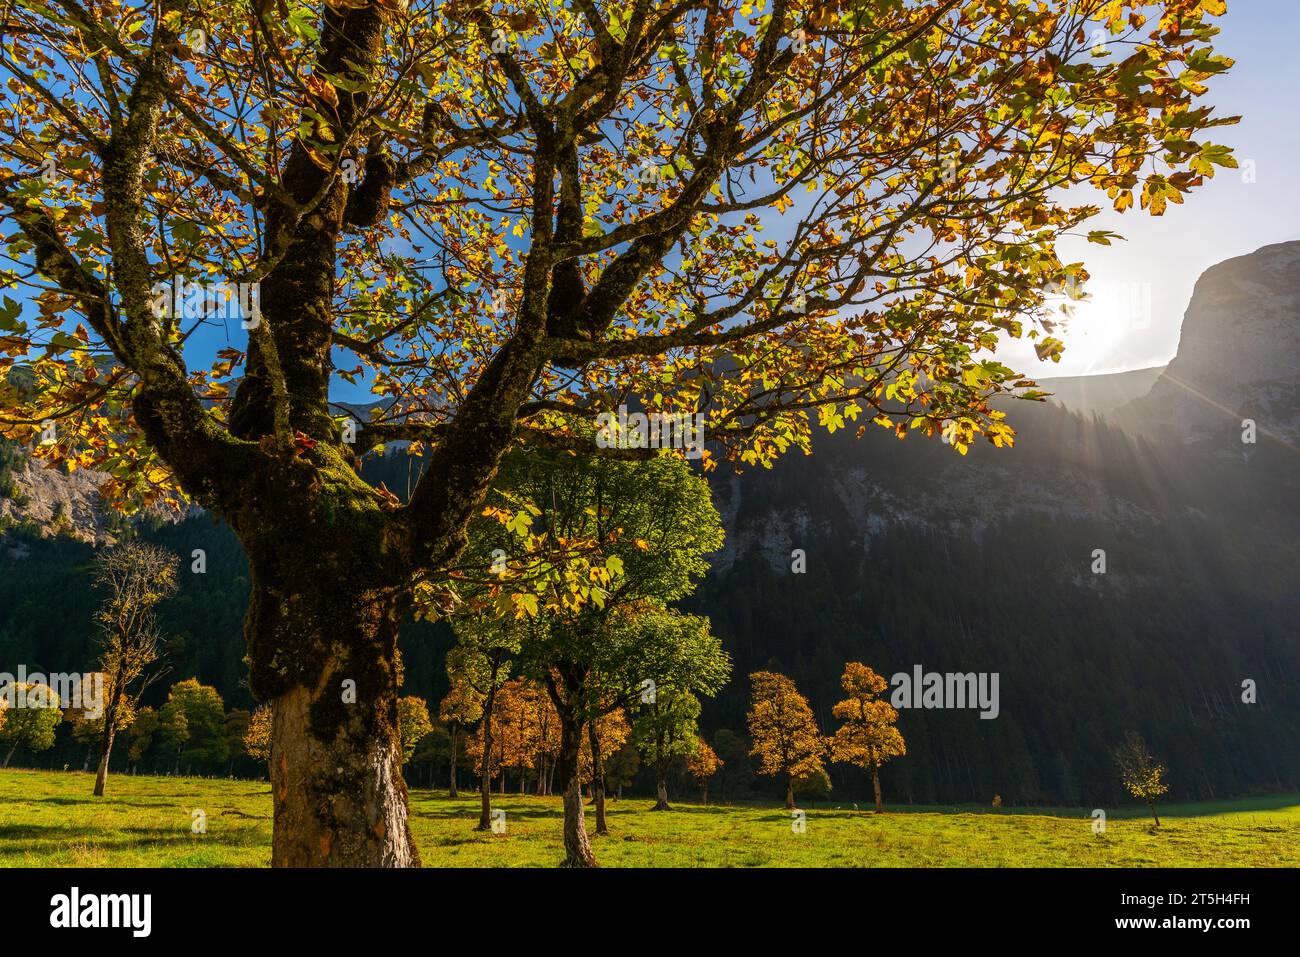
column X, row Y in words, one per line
column 521, row 721
column 702, row 765
column 137, row 577
column 665, row 728
column 1142, row 775
column 257, row 740
column 868, row 737
column 142, row 732
column 460, row 707
column 412, row 723
column 813, row 784
column 483, row 659
column 621, row 768
column 33, row 725
column 194, row 723
column 784, row 732
column 604, row 736
column 652, row 524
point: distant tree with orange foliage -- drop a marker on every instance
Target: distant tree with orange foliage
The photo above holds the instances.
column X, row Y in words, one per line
column 521, row 715
column 603, row 736
column 868, row 737
column 702, row 765
column 484, row 657
column 783, row 731
column 460, row 707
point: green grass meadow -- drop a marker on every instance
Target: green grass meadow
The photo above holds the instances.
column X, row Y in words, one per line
column 51, row 819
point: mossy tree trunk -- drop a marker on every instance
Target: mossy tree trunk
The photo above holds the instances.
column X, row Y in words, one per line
column 336, row 758
column 321, row 632
column 332, row 560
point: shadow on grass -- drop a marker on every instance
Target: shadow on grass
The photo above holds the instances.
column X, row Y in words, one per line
column 108, row 800
column 1202, row 809
column 420, row 810
column 36, row 836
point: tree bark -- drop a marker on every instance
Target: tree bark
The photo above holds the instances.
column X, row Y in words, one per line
column 597, row 778
column 10, row 753
column 661, row 771
column 577, row 846
column 789, row 793
column 325, row 652
column 455, row 728
column 485, row 764
column 110, row 731
column 661, row 787
column 875, row 783
column 101, row 773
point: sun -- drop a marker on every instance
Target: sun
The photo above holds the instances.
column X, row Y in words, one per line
column 1097, row 326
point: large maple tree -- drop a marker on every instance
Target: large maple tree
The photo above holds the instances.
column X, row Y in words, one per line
column 507, row 218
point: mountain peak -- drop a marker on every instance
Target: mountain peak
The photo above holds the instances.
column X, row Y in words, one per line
column 1238, row 353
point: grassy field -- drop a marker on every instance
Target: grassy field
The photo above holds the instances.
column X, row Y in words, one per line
column 50, row 819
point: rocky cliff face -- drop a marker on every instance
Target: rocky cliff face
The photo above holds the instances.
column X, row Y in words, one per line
column 1238, row 356
column 55, row 501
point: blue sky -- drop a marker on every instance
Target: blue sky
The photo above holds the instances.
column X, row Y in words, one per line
column 1163, row 256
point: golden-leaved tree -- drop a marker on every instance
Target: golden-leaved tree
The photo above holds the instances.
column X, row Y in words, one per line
column 1140, row 773
column 702, row 765
column 257, row 739
column 506, row 218
column 869, row 735
column 783, row 732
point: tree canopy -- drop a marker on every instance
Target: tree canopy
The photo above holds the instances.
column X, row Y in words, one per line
column 781, row 212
